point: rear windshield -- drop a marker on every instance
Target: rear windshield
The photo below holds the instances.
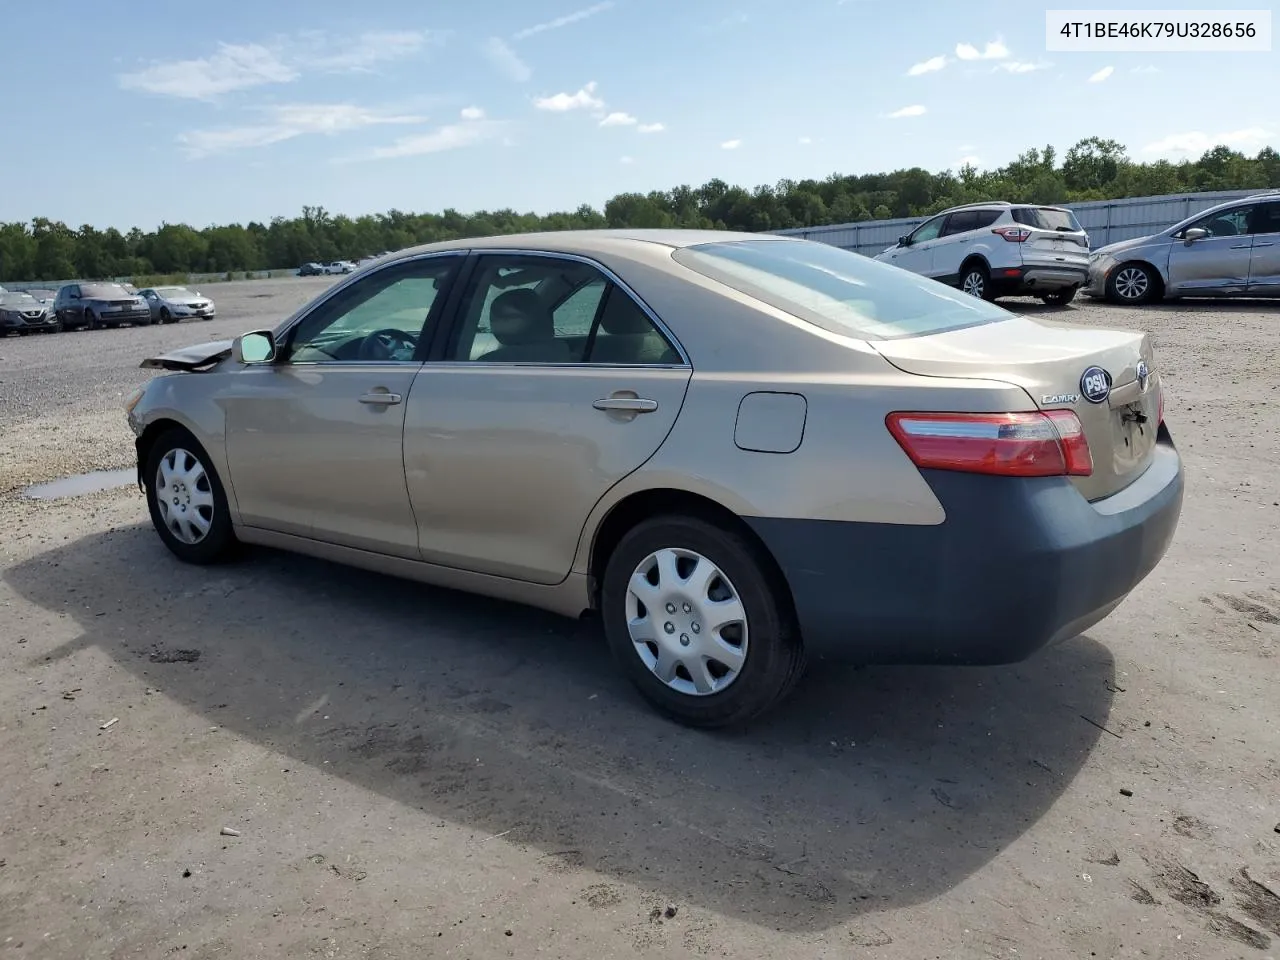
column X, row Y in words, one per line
column 841, row 292
column 1047, row 218
column 103, row 290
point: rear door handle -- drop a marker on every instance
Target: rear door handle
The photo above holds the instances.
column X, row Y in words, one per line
column 381, row 398
column 1241, row 246
column 1269, row 243
column 627, row 404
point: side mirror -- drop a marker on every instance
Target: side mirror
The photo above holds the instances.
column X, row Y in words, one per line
column 256, row 347
column 904, row 241
column 1195, row 233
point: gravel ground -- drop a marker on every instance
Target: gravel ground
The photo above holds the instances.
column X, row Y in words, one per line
column 412, row 773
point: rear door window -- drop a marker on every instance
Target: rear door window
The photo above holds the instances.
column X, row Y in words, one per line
column 840, row 291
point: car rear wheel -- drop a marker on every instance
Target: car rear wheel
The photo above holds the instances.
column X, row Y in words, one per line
column 1059, row 298
column 90, row 321
column 975, row 281
column 186, row 499
column 1132, row 283
column 697, row 622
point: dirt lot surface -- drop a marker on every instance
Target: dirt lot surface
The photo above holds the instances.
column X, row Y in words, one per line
column 413, row 773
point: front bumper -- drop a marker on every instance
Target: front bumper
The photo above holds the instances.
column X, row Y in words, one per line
column 116, row 317
column 1018, row 564
column 1096, row 285
column 10, row 324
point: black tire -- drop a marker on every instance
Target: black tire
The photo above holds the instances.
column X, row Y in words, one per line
column 1133, row 284
column 975, row 280
column 1059, row 298
column 219, row 543
column 775, row 656
column 165, row 316
column 90, row 321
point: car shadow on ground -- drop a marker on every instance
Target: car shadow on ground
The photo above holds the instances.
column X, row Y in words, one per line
column 870, row 789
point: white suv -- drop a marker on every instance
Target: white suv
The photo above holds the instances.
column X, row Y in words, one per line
column 999, row 249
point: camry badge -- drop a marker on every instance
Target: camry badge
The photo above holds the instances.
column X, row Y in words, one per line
column 1143, row 373
column 1050, row 398
column 1095, row 384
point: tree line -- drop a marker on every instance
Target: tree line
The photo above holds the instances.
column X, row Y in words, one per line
column 1092, row 169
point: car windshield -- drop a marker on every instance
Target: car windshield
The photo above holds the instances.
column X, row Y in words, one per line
column 1047, row 218
column 103, row 290
column 841, row 292
column 18, row 300
column 170, row 293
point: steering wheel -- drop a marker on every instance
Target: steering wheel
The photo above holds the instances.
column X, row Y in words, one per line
column 385, row 344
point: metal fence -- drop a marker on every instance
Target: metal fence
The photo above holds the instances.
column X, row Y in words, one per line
column 1106, row 221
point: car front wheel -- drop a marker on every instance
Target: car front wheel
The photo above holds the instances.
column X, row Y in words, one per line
column 1060, row 298
column 976, row 282
column 697, row 622
column 1132, row 283
column 186, row 499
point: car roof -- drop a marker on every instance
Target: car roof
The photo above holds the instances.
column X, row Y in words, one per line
column 588, row 242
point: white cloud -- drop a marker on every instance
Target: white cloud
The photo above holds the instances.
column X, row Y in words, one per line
column 505, row 60
column 454, row 136
column 731, row 145
column 1022, row 66
column 932, row 65
column 286, row 122
column 472, row 113
column 994, row 50
column 915, row 110
column 1195, row 143
column 627, row 160
column 619, row 119
column 233, row 67
column 805, row 141
column 651, row 127
column 967, row 148
column 564, row 21
column 584, row 99
column 1101, row 74
column 362, row 52
column 1147, row 69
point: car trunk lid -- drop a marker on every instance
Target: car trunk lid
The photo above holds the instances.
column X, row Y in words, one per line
column 1053, row 237
column 1107, row 377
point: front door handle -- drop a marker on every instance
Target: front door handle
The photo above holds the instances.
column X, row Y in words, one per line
column 381, row 398
column 1241, row 246
column 1269, row 243
column 627, row 404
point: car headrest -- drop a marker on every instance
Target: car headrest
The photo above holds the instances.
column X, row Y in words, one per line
column 518, row 317
column 621, row 316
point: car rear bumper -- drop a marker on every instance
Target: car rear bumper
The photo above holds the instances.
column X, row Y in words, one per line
column 1018, row 564
column 1032, row 279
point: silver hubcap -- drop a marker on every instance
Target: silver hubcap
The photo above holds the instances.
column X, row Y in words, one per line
column 184, row 496
column 1131, row 283
column 687, row 622
column 974, row 284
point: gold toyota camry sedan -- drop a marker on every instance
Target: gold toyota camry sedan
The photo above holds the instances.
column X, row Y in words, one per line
column 744, row 452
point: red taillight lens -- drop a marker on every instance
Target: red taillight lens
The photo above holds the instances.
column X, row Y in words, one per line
column 1013, row 234
column 1049, row 444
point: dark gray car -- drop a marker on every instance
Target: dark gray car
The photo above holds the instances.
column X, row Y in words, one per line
column 99, row 304
column 22, row 313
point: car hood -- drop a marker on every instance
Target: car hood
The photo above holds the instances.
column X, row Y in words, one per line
column 1122, row 245
column 197, row 357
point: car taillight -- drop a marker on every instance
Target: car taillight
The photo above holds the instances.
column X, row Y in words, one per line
column 1013, row 234
column 1043, row 444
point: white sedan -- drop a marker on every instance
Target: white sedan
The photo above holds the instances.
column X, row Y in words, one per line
column 171, row 304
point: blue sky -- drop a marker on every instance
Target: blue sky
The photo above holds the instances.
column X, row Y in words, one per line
column 212, row 113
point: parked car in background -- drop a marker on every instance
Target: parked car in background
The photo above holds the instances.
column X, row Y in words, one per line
column 999, row 249
column 171, row 304
column 99, row 304
column 311, row 270
column 340, row 266
column 1231, row 250
column 741, row 450
column 21, row 313
column 128, row 287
